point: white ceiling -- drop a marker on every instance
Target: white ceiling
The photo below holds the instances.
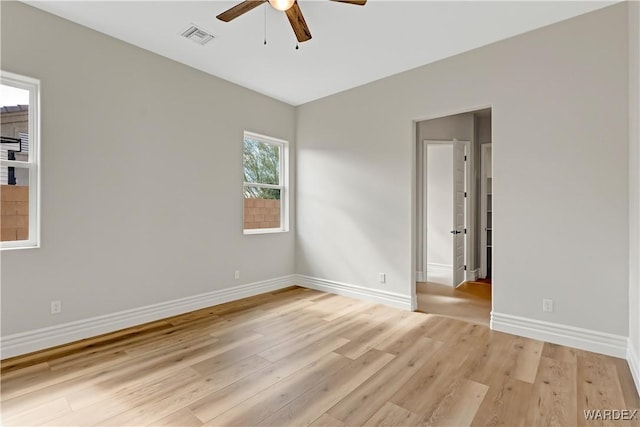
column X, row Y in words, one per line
column 351, row 45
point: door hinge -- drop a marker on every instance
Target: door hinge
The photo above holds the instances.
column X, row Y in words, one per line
column 465, row 231
column 465, row 157
column 465, row 194
column 465, row 268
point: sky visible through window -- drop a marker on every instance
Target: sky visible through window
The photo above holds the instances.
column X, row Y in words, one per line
column 10, row 96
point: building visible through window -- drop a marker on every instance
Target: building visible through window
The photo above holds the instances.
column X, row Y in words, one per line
column 19, row 161
column 15, row 141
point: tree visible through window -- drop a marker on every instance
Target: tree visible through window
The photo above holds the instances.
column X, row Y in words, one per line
column 264, row 168
column 261, row 166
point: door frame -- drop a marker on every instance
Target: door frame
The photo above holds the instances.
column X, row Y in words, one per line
column 468, row 205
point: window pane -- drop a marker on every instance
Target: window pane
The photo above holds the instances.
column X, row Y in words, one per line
column 261, row 162
column 261, row 208
column 14, row 209
column 14, row 123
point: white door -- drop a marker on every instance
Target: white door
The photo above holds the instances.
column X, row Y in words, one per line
column 439, row 212
column 459, row 195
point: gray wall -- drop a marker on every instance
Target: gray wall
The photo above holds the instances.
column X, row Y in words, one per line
column 560, row 151
column 634, row 181
column 141, row 177
column 484, row 128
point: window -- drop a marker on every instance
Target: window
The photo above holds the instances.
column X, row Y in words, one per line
column 266, row 179
column 19, row 161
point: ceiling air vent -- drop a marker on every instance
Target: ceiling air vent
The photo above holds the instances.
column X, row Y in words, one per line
column 198, row 35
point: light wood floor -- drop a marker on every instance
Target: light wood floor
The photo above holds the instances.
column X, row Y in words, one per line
column 301, row 357
column 470, row 301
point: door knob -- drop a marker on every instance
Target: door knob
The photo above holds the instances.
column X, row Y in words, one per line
column 455, row 232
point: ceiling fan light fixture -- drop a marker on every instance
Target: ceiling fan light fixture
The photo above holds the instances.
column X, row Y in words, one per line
column 282, row 5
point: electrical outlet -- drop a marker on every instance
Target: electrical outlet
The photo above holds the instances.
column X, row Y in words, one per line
column 237, row 274
column 56, row 307
column 382, row 278
column 547, row 305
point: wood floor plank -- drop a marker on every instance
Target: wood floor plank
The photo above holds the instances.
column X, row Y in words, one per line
column 92, row 359
column 369, row 337
column 629, row 392
column 176, row 335
column 126, row 399
column 553, row 400
column 393, row 416
column 458, row 405
column 294, row 328
column 351, row 307
column 267, row 323
column 7, row 365
column 209, row 313
column 311, row 405
column 429, row 386
column 403, row 324
column 598, row 388
column 263, row 404
column 300, row 341
column 495, row 360
column 219, row 402
column 560, row 352
column 363, row 402
column 18, row 386
column 445, row 329
column 405, row 339
column 39, row 415
column 327, row 420
column 182, row 418
column 527, row 358
column 162, row 406
column 26, row 370
column 136, row 371
column 503, row 403
column 157, row 365
column 326, row 308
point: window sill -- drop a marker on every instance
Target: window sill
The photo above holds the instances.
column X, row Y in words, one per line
column 264, row 231
column 24, row 246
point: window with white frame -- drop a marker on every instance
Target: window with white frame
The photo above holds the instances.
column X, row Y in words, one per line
column 265, row 165
column 19, row 161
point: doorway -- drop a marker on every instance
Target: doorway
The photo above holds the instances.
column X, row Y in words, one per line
column 454, row 237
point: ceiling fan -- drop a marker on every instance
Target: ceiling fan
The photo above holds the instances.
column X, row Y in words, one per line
column 290, row 7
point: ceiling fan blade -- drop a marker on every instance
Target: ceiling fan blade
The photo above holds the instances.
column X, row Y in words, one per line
column 358, row 2
column 297, row 23
column 239, row 9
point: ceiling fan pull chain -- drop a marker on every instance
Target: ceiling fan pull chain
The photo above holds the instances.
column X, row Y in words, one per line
column 297, row 46
column 265, row 25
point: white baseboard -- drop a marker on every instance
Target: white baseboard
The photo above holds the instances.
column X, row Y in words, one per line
column 440, row 273
column 473, row 275
column 27, row 342
column 634, row 364
column 584, row 339
column 368, row 294
column 445, row 268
